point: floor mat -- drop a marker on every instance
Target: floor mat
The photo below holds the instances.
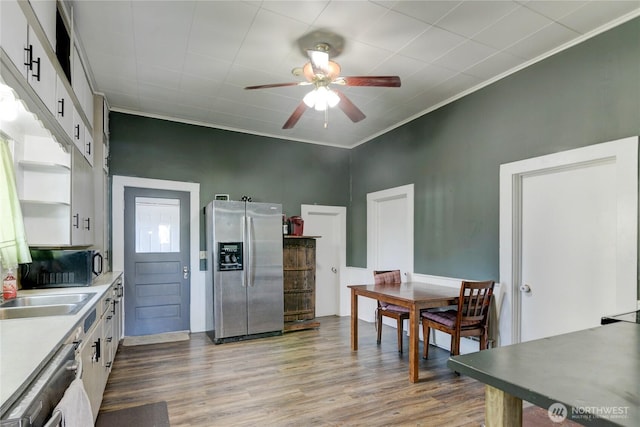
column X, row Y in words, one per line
column 149, row 415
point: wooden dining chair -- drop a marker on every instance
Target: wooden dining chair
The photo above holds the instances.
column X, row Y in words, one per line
column 390, row 277
column 471, row 318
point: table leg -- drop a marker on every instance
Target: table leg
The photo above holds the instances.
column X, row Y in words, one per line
column 501, row 409
column 354, row 320
column 414, row 344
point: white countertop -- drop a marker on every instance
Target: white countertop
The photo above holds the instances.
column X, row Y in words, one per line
column 26, row 345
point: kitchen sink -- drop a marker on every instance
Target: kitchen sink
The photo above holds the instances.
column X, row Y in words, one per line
column 44, row 305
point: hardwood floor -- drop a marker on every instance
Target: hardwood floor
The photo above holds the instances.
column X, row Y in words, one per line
column 302, row 378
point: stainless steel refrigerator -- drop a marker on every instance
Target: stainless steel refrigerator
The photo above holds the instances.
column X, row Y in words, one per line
column 244, row 289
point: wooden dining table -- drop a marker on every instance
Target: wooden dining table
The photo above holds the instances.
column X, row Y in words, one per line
column 415, row 296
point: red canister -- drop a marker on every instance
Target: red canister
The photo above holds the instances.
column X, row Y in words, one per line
column 297, row 225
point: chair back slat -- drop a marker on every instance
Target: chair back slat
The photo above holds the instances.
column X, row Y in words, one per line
column 474, row 302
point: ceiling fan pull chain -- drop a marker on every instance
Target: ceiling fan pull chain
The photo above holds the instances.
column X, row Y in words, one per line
column 326, row 118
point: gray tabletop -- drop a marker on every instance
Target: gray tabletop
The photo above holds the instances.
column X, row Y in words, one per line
column 595, row 373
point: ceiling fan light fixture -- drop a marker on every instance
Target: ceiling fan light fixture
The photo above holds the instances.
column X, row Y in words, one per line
column 310, row 98
column 332, row 99
column 321, row 98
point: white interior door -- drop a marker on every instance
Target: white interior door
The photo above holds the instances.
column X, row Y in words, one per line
column 328, row 222
column 568, row 239
column 390, row 230
column 568, row 249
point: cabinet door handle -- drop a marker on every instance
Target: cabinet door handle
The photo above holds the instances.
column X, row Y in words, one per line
column 88, row 221
column 28, row 61
column 89, row 148
column 77, row 132
column 61, row 107
column 36, row 74
column 96, row 354
column 76, row 223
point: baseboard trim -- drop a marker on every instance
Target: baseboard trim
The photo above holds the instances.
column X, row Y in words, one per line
column 156, row 338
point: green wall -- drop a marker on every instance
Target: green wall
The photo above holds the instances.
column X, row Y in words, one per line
column 585, row 95
column 224, row 162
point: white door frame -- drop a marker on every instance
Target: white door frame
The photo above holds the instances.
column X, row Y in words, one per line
column 373, row 201
column 117, row 235
column 341, row 213
column 625, row 154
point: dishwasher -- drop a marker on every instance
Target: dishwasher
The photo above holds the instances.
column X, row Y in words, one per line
column 35, row 407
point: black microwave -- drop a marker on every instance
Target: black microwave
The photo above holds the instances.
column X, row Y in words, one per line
column 60, row 269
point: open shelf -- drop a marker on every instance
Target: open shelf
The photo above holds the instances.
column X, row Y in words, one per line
column 48, row 167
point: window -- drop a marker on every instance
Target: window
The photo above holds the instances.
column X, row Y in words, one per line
column 157, row 225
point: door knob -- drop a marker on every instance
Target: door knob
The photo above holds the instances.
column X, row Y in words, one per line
column 525, row 288
column 334, row 270
column 185, row 272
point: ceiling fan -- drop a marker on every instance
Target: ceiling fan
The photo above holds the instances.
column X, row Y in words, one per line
column 321, row 72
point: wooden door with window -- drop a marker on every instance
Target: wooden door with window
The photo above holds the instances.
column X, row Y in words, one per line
column 156, row 267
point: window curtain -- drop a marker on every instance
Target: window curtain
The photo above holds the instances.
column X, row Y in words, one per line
column 14, row 249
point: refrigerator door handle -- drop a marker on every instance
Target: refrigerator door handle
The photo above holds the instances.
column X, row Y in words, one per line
column 249, row 261
column 244, row 250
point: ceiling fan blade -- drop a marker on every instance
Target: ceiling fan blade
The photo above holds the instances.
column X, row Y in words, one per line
column 295, row 116
column 272, row 85
column 349, row 107
column 380, row 81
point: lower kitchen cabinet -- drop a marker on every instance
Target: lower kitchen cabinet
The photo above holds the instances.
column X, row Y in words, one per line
column 98, row 350
column 92, row 372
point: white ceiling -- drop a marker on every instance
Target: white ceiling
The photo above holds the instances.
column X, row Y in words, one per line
column 190, row 60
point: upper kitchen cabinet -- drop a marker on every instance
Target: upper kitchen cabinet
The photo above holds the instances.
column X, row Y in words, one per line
column 37, row 50
column 45, row 12
column 64, row 108
column 81, row 86
column 40, row 74
column 82, row 202
column 14, row 33
column 42, row 61
column 26, row 51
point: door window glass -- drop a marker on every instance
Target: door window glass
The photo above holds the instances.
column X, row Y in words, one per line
column 157, row 225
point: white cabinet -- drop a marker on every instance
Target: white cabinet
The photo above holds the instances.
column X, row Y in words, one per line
column 99, row 348
column 81, row 86
column 82, row 137
column 57, row 197
column 64, row 108
column 45, row 12
column 78, row 130
column 88, row 145
column 14, row 33
column 92, row 372
column 40, row 74
column 82, row 217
